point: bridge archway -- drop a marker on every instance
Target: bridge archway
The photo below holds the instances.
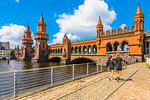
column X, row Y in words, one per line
column 55, row 59
column 79, row 60
column 109, row 47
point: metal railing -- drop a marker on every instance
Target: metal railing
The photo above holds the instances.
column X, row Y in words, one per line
column 18, row 82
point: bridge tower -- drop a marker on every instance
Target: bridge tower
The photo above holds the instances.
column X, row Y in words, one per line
column 41, row 37
column 139, row 20
column 99, row 34
column 66, row 50
column 27, row 45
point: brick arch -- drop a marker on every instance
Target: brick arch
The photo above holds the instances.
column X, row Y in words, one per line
column 123, row 43
column 116, row 45
column 89, row 47
column 80, row 49
column 84, row 58
column 57, row 57
column 108, row 45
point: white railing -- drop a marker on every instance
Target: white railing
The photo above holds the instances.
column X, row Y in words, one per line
column 18, row 82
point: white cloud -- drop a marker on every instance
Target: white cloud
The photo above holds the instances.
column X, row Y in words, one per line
column 12, row 33
column 83, row 21
column 17, row 1
column 122, row 26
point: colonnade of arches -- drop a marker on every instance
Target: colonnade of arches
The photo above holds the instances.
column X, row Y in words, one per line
column 56, row 51
column 116, row 46
column 84, row 49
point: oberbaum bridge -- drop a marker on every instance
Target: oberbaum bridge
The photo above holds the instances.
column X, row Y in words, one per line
column 92, row 50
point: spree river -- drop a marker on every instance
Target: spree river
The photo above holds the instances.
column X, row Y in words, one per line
column 15, row 65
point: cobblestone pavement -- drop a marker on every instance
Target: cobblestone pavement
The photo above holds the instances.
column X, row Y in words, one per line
column 98, row 87
column 136, row 89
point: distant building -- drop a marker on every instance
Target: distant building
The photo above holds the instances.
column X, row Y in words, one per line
column 4, row 50
column 147, row 42
column 4, row 54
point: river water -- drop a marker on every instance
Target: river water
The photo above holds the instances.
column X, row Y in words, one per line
column 15, row 65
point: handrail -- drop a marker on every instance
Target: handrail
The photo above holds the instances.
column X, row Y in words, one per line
column 38, row 69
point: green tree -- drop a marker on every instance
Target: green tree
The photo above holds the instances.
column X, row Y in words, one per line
column 4, row 58
column 2, row 48
column 12, row 52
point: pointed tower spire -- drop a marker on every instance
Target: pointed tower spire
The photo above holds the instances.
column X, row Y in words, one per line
column 28, row 26
column 99, row 21
column 65, row 36
column 139, row 11
column 41, row 19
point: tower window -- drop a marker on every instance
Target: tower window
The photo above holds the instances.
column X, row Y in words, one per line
column 43, row 45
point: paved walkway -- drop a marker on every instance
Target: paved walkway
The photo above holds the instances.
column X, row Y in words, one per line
column 134, row 86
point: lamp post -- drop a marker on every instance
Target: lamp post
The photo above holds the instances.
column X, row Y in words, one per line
column 128, row 55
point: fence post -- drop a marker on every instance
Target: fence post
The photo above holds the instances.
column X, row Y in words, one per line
column 87, row 69
column 101, row 67
column 97, row 66
column 52, row 76
column 14, row 84
column 73, row 71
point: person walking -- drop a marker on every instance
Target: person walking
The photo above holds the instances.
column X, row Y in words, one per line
column 111, row 67
column 119, row 63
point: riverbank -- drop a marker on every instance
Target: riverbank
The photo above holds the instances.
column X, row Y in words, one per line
column 98, row 87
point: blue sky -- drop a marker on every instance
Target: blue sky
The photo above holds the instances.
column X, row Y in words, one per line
column 77, row 18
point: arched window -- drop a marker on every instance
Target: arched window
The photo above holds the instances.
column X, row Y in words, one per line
column 76, row 50
column 72, row 50
column 108, row 47
column 89, row 49
column 117, row 47
column 80, row 50
column 84, row 50
column 124, row 46
column 94, row 49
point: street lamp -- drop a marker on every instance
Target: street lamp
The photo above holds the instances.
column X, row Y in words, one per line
column 128, row 55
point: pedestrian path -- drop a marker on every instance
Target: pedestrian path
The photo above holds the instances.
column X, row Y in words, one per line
column 135, row 81
column 101, row 89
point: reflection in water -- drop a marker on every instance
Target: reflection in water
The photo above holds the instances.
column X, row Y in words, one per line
column 15, row 65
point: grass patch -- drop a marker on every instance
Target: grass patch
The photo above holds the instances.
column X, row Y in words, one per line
column 148, row 66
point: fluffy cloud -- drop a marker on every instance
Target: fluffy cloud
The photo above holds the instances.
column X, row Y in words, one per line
column 122, row 26
column 17, row 1
column 12, row 33
column 83, row 21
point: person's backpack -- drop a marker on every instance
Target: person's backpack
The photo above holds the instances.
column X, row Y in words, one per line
column 108, row 63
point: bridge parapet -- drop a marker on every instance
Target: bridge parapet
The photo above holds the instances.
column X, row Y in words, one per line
column 119, row 31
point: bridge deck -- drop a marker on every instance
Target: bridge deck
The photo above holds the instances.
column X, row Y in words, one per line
column 134, row 86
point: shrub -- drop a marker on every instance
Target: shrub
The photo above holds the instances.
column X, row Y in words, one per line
column 4, row 58
column 148, row 66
